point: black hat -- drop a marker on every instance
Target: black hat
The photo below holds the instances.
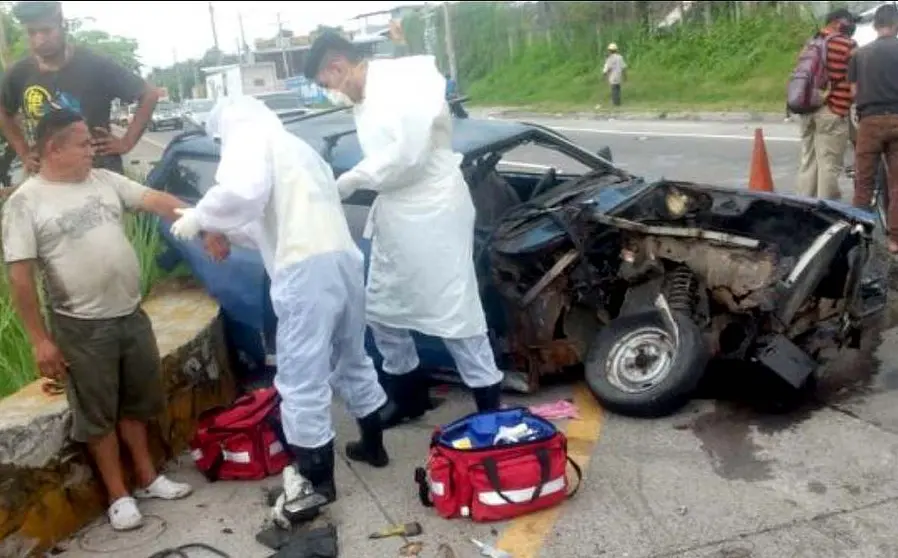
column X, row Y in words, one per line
column 29, row 12
column 328, row 41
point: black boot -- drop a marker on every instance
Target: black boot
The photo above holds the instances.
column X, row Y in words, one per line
column 370, row 448
column 487, row 398
column 409, row 398
column 317, row 466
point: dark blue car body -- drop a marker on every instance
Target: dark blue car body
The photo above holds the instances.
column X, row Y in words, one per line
column 187, row 169
column 240, row 284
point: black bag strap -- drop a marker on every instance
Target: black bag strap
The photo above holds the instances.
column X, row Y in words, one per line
column 579, row 474
column 212, row 473
column 423, row 487
column 492, row 474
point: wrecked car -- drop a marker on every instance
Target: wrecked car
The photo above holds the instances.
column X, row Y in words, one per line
column 582, row 264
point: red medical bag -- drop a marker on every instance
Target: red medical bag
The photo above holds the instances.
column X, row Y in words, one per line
column 242, row 441
column 492, row 482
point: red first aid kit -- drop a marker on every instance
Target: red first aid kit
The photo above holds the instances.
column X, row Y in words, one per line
column 495, row 466
column 242, row 441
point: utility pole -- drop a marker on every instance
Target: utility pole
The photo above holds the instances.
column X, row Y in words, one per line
column 283, row 44
column 4, row 48
column 450, row 44
column 177, row 69
column 214, row 32
column 245, row 48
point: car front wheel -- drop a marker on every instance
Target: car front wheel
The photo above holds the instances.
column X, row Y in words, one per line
column 638, row 367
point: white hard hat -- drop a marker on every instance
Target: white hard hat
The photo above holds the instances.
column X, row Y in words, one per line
column 612, row 46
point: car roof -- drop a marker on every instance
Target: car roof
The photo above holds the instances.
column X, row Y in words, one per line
column 471, row 137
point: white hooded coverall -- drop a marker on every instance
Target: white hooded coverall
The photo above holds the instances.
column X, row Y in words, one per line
column 275, row 189
column 422, row 275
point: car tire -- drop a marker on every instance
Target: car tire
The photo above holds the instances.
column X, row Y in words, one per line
column 666, row 388
column 151, row 127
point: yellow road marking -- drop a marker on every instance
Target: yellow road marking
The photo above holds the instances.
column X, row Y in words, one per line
column 524, row 537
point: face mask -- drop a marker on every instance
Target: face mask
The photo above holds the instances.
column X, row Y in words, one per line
column 338, row 98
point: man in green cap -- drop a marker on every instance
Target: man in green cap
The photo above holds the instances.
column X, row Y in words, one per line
column 58, row 74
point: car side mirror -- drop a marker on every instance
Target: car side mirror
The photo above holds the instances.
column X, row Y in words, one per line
column 605, row 153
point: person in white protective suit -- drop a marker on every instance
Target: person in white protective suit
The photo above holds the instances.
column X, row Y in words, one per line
column 275, row 189
column 422, row 275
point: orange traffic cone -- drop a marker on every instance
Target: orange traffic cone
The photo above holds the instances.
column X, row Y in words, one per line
column 760, row 177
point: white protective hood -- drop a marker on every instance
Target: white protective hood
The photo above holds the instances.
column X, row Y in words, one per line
column 243, row 181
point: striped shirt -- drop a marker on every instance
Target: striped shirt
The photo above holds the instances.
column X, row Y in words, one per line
column 838, row 54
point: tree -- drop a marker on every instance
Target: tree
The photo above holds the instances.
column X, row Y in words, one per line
column 121, row 49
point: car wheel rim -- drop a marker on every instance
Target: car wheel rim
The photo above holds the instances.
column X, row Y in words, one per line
column 640, row 360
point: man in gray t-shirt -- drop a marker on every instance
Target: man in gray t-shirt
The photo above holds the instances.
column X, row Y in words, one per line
column 67, row 221
column 615, row 71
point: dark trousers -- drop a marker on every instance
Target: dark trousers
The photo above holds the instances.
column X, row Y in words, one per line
column 877, row 136
column 615, row 94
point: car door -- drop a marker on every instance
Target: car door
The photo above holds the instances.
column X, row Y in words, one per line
column 239, row 283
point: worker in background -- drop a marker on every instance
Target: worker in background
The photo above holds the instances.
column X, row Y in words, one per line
column 61, row 74
column 615, row 71
column 422, row 276
column 873, row 76
column 275, row 190
column 825, row 133
column 67, row 221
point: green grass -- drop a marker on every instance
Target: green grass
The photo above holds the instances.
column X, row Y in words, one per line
column 17, row 365
column 730, row 65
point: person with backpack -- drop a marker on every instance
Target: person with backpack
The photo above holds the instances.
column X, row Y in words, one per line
column 819, row 92
column 872, row 74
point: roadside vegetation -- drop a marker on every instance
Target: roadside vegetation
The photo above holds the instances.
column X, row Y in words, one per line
column 17, row 365
column 723, row 56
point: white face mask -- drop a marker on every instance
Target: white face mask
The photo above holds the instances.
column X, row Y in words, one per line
column 338, row 98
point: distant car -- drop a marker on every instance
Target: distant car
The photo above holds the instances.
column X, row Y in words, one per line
column 284, row 103
column 639, row 282
column 195, row 112
column 166, row 115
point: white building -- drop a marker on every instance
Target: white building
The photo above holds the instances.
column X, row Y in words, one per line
column 240, row 79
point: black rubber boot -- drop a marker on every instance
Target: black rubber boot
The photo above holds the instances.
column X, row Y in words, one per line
column 409, row 398
column 370, row 449
column 317, row 466
column 487, row 398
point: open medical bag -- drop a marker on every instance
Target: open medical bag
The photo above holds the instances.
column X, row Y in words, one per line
column 241, row 441
column 496, row 465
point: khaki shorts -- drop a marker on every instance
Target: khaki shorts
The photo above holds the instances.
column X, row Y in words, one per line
column 114, row 371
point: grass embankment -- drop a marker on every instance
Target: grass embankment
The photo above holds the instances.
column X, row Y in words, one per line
column 728, row 66
column 17, row 365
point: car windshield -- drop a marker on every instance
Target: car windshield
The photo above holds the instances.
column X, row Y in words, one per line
column 200, row 105
column 165, row 107
column 282, row 102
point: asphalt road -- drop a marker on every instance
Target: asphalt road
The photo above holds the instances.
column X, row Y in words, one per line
column 722, row 479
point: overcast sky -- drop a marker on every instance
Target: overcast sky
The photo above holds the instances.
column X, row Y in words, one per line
column 183, row 29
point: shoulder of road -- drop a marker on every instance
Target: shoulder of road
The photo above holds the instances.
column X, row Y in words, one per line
column 695, row 116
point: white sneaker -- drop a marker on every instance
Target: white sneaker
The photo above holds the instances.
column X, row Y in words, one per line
column 124, row 515
column 164, row 489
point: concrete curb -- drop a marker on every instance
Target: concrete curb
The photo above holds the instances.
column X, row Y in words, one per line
column 697, row 116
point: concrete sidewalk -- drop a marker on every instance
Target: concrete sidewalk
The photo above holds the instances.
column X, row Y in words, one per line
column 227, row 515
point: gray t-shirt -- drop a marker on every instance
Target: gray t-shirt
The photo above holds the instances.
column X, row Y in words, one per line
column 614, row 68
column 76, row 233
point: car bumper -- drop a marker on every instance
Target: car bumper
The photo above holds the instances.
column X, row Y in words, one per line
column 165, row 122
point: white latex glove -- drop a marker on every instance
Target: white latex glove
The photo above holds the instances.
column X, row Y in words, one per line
column 348, row 183
column 187, row 226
